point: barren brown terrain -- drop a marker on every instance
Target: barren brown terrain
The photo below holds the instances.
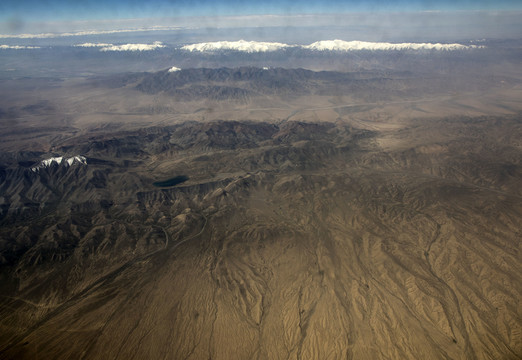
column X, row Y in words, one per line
column 364, row 224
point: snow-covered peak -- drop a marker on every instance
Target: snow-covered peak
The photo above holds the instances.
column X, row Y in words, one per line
column 134, row 47
column 74, row 160
column 341, row 45
column 174, row 69
column 241, row 45
column 89, row 45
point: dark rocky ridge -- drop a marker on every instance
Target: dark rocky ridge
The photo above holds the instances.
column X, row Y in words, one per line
column 245, row 82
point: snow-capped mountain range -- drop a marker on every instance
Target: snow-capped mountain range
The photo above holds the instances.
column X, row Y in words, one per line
column 261, row 46
column 341, row 45
column 123, row 47
column 323, row 45
column 241, row 45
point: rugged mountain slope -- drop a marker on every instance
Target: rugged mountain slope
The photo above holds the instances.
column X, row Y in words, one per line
column 289, row 241
column 243, row 83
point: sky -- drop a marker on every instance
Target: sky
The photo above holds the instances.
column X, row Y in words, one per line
column 61, row 10
column 466, row 18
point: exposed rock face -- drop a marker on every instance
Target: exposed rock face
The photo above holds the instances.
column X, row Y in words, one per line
column 289, row 241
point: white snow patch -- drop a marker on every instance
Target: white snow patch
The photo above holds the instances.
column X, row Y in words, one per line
column 74, row 160
column 174, row 69
column 341, row 45
column 134, row 47
column 93, row 45
column 241, row 45
column 18, row 47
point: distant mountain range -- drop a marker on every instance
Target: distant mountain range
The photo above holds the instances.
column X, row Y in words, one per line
column 243, row 83
column 84, row 57
column 263, row 46
column 322, row 45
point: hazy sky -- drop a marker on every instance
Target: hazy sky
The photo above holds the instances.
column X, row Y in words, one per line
column 59, row 10
column 365, row 19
